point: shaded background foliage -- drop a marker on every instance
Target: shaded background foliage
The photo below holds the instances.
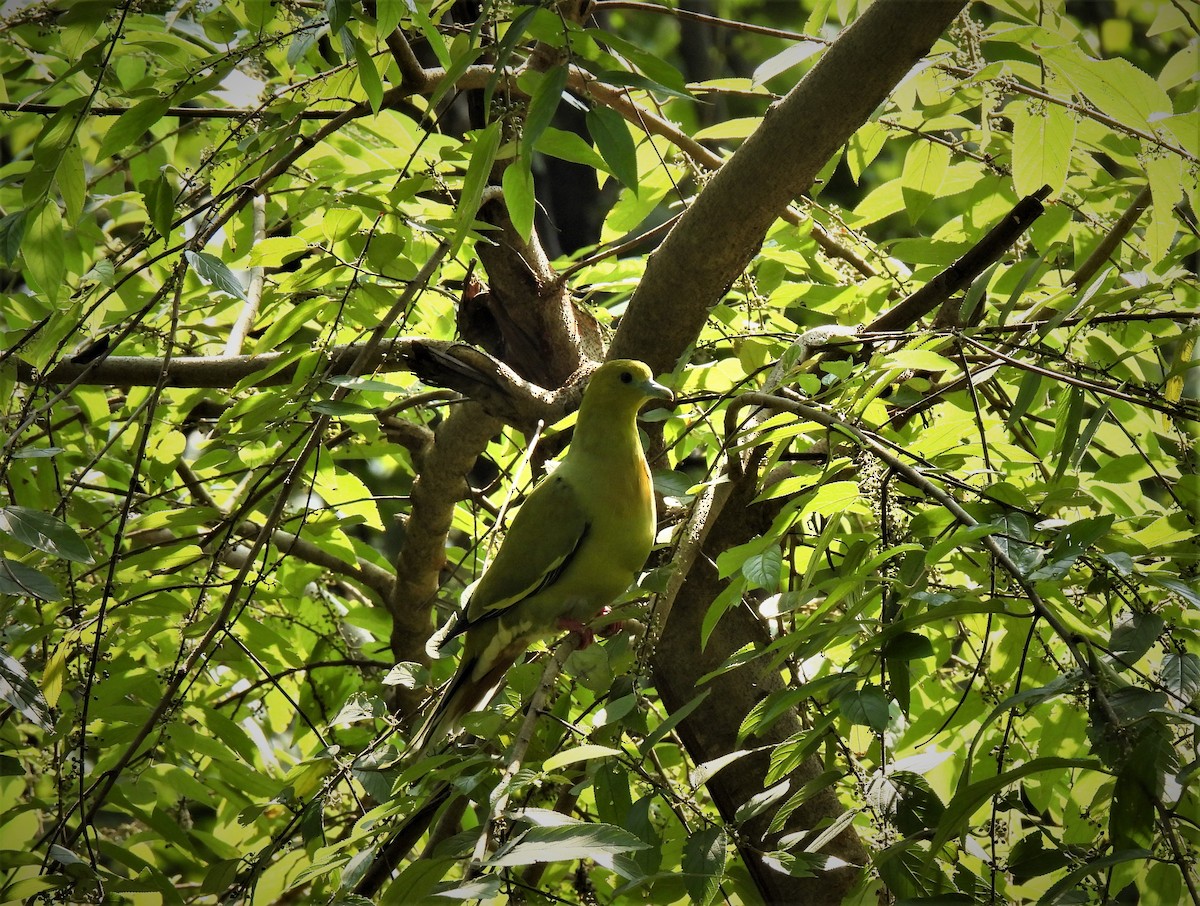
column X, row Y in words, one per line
column 927, row 578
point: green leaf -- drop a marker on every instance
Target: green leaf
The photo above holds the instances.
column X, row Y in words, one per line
column 651, row 64
column 44, row 253
column 339, row 224
column 959, row 538
column 925, row 167
column 368, row 75
column 660, row 732
column 20, row 580
column 579, row 753
column 132, row 125
column 1133, row 637
column 12, row 231
column 919, row 808
column 784, row 60
column 44, row 532
column 214, row 272
column 866, row 707
column 276, row 250
column 1180, row 674
column 1067, row 416
column 57, row 134
column 478, row 889
column 613, row 140
column 338, row 12
column 1066, row 888
column 908, row 646
column 1161, row 884
column 517, row 183
column 72, row 181
column 1115, row 86
column 1167, row 179
column 1031, row 383
column 403, row 674
column 483, row 155
column 338, row 408
column 1089, row 433
column 1042, row 139
column 569, row 146
column 919, row 360
column 704, row 855
column 1131, row 817
column 455, row 66
column 760, row 802
column 623, row 79
column 763, row 570
column 543, row 102
column 19, row 691
column 565, row 843
column 1030, row 859
column 416, row 882
column 864, row 146
column 159, row 198
column 388, row 14
column 1188, row 591
column 834, row 498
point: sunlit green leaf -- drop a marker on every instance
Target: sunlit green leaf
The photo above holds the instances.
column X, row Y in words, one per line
column 132, row 125
column 925, row 168
column 487, row 143
column 43, row 251
column 517, row 183
column 1042, row 139
column 543, row 102
column 704, row 856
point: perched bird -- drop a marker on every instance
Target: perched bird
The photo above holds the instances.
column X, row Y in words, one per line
column 575, row 544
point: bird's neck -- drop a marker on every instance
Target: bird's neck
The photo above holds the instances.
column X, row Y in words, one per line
column 605, row 432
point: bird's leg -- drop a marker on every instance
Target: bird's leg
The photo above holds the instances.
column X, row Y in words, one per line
column 580, row 628
column 586, row 633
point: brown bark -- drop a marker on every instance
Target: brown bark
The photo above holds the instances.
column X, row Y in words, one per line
column 441, row 483
column 527, row 318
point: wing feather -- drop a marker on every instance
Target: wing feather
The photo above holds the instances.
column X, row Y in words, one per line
column 545, row 536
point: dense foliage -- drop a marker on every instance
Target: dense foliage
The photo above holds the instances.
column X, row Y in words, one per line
column 227, row 231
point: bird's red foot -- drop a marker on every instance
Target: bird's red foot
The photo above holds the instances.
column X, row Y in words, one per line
column 581, row 629
column 587, row 635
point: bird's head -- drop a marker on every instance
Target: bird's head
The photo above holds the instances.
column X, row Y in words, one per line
column 623, row 383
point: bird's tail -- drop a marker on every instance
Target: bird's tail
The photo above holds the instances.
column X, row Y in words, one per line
column 461, row 696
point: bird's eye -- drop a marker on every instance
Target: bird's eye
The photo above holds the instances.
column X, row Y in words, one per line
column 626, row 377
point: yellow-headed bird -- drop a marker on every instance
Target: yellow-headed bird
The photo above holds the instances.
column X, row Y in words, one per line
column 576, row 543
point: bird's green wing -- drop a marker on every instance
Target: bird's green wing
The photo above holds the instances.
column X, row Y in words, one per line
column 544, row 536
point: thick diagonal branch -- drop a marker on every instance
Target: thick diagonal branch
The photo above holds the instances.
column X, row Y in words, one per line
column 718, row 235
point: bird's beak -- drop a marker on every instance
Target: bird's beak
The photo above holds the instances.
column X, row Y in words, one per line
column 654, row 390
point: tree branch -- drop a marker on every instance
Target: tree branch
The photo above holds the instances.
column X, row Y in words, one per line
column 961, row 273
column 723, row 229
column 1111, row 240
